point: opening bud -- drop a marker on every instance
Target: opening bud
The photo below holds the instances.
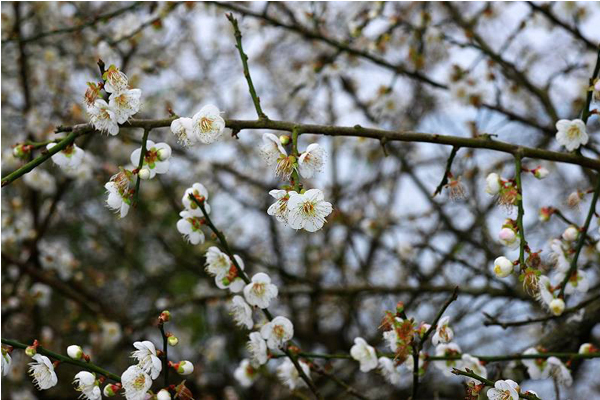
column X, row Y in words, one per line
column 75, row 352
column 144, row 173
column 163, row 395
column 31, row 351
column 557, row 306
column 172, row 340
column 284, row 139
column 184, row 367
column 111, row 390
column 164, row 154
column 165, row 316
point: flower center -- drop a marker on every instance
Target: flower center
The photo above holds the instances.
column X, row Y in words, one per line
column 206, row 124
column 258, row 289
column 308, row 208
column 139, row 382
column 278, row 331
column 573, row 132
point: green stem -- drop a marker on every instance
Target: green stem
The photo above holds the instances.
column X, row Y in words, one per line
column 165, row 356
column 581, row 240
column 63, row 144
column 140, row 165
column 65, row 359
column 296, row 154
column 244, row 57
column 520, row 211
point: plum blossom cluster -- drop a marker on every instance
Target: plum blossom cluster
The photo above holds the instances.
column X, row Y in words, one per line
column 296, row 207
column 256, row 293
column 206, row 126
column 135, row 382
column 550, row 367
column 399, row 334
column 123, row 102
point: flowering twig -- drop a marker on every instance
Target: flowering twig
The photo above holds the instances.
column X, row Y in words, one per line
column 417, row 347
column 520, row 212
column 487, row 382
column 581, row 240
column 244, row 57
column 331, row 130
column 88, row 366
column 245, row 278
column 447, row 172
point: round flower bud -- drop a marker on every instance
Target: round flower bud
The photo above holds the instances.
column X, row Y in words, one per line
column 540, row 172
column 164, row 154
column 30, row 351
column 172, row 340
column 507, row 236
column 185, row 368
column 284, row 139
column 557, row 306
column 163, row 395
column 110, row 390
column 586, row 348
column 144, row 173
column 492, row 184
column 570, row 234
column 165, row 316
column 503, row 267
column 75, row 352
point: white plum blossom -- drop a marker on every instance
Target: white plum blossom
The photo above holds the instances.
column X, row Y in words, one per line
column 443, row 333
column 557, row 306
column 86, row 383
column 189, row 226
column 42, row 372
column 241, row 312
column 183, row 129
column 364, row 354
column 578, row 282
column 390, row 371
column 289, row 375
column 536, row 368
column 277, row 332
column 201, row 194
column 279, row 209
column 504, row 390
column 260, row 291
column 559, row 371
column 69, row 158
column 231, row 279
column 245, row 373
column 156, row 160
column 125, row 103
column 207, row 124
column 119, row 199
column 472, row 363
column 544, row 294
column 493, row 184
column 308, row 210
column 217, row 262
column 311, row 161
column 115, row 80
column 272, row 149
column 6, row 361
column 444, row 350
column 257, row 348
column 503, row 267
column 147, row 359
column 103, row 117
column 571, row 134
column 136, row 383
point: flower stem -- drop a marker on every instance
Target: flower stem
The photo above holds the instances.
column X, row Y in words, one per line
column 520, row 211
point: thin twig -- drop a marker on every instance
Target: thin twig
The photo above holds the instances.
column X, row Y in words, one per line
column 244, row 57
column 140, row 165
column 447, row 172
column 520, row 212
column 88, row 366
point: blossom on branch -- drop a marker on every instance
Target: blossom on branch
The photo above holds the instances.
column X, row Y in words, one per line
column 260, row 291
column 504, row 390
column 207, row 124
column 571, row 134
column 136, row 383
column 125, row 103
column 103, row 117
column 245, row 373
column 364, row 354
column 308, row 210
column 147, row 358
column 257, row 348
column 70, row 158
column 42, row 372
column 272, row 149
column 189, row 226
column 86, row 383
column 241, row 312
column 290, row 376
column 277, row 332
column 156, row 159
column 312, row 160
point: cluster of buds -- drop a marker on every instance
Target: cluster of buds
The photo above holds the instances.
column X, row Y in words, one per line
column 506, row 190
column 508, row 235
